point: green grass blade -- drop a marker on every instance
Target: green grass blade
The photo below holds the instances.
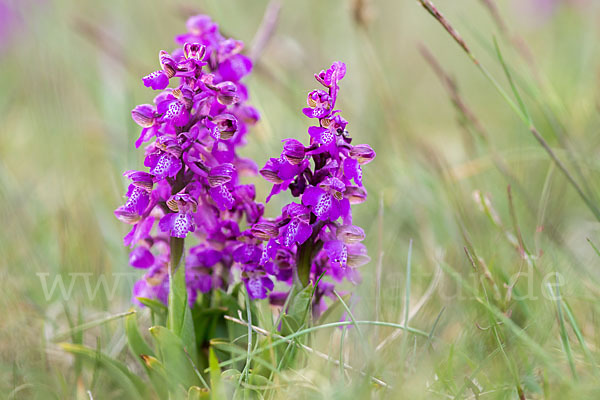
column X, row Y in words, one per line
column 216, row 384
column 137, row 344
column 118, row 371
column 564, row 337
column 77, row 330
column 580, row 338
column 286, row 339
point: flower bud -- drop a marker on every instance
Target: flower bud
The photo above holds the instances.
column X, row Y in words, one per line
column 270, row 176
column 182, row 202
column 363, row 153
column 226, row 124
column 194, row 51
column 167, row 63
column 293, row 151
column 169, row 145
column 141, row 179
column 124, row 214
column 226, row 94
column 355, row 194
column 144, row 115
column 350, row 234
column 221, row 174
column 141, row 257
column 264, row 230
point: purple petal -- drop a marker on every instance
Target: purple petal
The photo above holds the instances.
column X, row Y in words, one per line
column 337, row 252
column 258, row 287
column 139, row 232
column 353, row 170
column 222, row 197
column 166, row 166
column 141, row 257
column 182, row 224
column 321, row 135
column 235, row 68
column 166, row 223
column 143, row 115
column 157, row 80
column 247, row 254
column 320, row 201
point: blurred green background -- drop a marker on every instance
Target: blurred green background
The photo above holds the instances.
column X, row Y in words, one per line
column 71, row 72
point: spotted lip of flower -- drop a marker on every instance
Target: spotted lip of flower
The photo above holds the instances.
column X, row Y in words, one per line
column 353, row 170
column 257, row 283
column 247, row 253
column 326, row 200
column 297, row 230
column 173, row 109
column 319, row 103
column 162, row 163
column 137, row 201
column 181, row 222
column 222, row 197
column 157, row 80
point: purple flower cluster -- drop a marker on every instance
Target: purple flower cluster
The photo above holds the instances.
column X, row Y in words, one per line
column 193, row 179
column 314, row 235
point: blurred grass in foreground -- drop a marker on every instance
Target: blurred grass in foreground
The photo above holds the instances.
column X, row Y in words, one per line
column 71, row 74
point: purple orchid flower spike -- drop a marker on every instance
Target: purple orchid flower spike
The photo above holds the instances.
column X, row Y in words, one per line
column 191, row 188
column 314, row 236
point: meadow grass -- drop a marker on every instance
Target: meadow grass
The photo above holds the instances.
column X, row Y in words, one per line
column 482, row 220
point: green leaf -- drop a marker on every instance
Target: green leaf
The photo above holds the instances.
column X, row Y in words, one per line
column 247, row 394
column 137, row 344
column 145, row 355
column 130, row 382
column 154, row 305
column 298, row 311
column 175, row 358
column 157, row 374
column 216, row 384
column 198, row 393
column 205, row 321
